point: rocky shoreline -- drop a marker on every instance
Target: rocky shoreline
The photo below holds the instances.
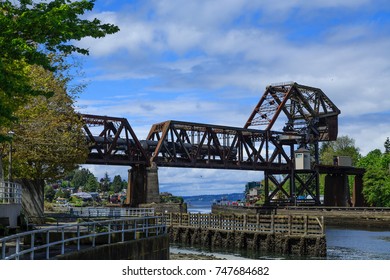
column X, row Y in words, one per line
column 190, row 256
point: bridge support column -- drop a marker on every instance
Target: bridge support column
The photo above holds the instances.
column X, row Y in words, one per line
column 142, row 185
column 336, row 191
column 152, row 188
column 358, row 199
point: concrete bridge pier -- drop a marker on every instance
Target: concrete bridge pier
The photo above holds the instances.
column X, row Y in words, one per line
column 142, row 185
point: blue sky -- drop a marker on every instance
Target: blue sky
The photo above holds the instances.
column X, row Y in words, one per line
column 210, row 61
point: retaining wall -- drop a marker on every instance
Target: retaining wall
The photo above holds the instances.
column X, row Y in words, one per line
column 166, row 207
column 249, row 210
column 153, row 248
column 279, row 243
column 12, row 211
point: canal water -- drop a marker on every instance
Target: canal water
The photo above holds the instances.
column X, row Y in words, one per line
column 343, row 243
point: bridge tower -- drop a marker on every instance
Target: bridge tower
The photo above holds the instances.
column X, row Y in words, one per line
column 309, row 118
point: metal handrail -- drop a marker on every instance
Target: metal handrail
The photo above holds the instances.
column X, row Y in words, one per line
column 88, row 233
column 10, row 193
column 110, row 212
column 102, row 211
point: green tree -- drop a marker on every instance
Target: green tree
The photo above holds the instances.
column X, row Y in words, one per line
column 124, row 184
column 376, row 180
column 32, row 33
column 92, row 185
column 49, row 193
column 29, row 32
column 343, row 146
column 116, row 185
column 48, row 139
column 80, row 178
column 105, row 182
column 62, row 193
column 387, row 145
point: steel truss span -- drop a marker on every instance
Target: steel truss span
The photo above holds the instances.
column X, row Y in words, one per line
column 307, row 117
column 183, row 144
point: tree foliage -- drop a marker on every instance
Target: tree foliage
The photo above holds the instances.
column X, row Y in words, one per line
column 48, row 141
column 117, row 184
column 92, row 184
column 376, row 180
column 105, row 182
column 29, row 32
column 80, row 177
column 387, row 145
column 49, row 193
column 343, row 146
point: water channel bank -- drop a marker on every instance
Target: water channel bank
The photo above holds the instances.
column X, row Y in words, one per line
column 267, row 243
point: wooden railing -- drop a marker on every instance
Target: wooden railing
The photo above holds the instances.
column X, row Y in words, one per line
column 286, row 224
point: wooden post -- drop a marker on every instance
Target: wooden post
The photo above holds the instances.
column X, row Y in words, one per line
column 272, row 223
column 305, row 225
column 289, row 224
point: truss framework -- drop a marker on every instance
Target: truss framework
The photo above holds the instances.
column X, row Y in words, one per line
column 311, row 115
column 292, row 188
column 112, row 141
column 184, row 144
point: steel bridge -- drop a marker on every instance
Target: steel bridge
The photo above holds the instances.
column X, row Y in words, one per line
column 307, row 115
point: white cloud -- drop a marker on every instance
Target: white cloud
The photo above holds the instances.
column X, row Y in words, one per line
column 210, row 61
column 369, row 132
column 188, row 181
column 184, row 181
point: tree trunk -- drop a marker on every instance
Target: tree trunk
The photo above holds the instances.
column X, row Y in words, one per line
column 33, row 199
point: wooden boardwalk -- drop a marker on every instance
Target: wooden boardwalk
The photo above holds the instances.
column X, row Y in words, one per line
column 302, row 236
column 297, row 225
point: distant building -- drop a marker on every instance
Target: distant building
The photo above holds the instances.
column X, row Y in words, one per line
column 252, row 192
